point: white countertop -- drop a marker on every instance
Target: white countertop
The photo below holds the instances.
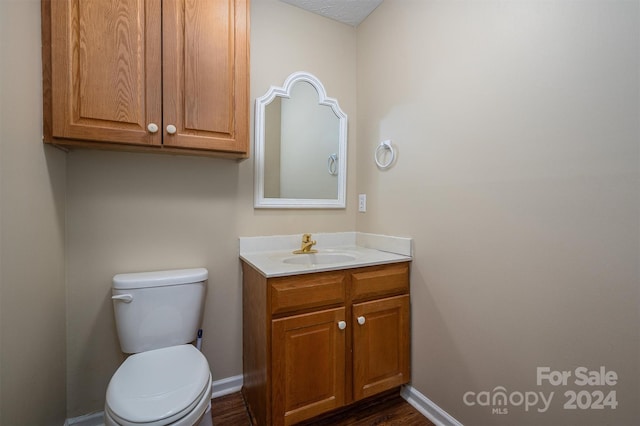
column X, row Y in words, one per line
column 267, row 254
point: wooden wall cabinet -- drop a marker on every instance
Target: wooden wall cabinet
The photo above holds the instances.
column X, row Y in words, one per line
column 147, row 75
column 316, row 342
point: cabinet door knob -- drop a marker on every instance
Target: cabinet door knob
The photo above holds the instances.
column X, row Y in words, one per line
column 361, row 320
column 171, row 129
column 342, row 325
column 152, row 127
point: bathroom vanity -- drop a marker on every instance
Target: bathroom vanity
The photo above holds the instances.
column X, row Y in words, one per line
column 323, row 331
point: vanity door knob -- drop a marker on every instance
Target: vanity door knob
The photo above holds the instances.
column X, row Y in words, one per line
column 361, row 320
column 171, row 129
column 152, row 127
column 342, row 325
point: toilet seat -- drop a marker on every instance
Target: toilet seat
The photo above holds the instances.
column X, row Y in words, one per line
column 160, row 387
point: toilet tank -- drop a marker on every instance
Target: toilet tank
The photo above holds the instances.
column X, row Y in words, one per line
column 158, row 309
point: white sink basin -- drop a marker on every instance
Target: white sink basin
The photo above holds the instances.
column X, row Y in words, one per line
column 318, row 259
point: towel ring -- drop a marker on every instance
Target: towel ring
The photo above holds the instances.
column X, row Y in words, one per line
column 382, row 148
column 332, row 164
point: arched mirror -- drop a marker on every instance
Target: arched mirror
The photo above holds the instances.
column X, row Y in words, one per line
column 301, row 146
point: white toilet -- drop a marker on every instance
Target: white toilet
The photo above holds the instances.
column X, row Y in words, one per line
column 167, row 380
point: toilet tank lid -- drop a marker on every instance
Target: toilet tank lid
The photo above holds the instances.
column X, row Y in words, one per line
column 159, row 278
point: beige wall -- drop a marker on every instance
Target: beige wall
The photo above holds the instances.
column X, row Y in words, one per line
column 517, row 129
column 32, row 194
column 133, row 212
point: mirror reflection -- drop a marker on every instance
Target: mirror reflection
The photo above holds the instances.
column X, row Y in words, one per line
column 300, row 146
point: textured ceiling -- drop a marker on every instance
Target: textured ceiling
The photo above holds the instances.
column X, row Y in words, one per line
column 350, row 12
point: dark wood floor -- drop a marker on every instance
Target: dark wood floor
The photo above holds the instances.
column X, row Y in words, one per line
column 389, row 409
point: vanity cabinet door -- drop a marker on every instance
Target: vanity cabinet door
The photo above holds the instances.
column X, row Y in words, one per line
column 380, row 345
column 308, row 365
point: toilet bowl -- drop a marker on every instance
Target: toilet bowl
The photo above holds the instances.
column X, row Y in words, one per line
column 169, row 386
column 166, row 380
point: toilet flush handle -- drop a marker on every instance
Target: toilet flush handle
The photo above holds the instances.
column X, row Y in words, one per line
column 126, row 298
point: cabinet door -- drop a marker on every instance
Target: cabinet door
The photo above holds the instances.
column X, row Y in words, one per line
column 380, row 345
column 206, row 74
column 106, row 70
column 308, row 365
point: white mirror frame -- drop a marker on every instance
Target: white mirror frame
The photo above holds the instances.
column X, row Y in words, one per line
column 298, row 203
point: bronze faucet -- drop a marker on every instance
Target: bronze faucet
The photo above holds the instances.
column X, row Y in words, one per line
column 307, row 243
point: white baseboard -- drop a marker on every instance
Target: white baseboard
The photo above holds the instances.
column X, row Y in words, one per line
column 428, row 408
column 93, row 419
column 226, row 386
column 219, row 388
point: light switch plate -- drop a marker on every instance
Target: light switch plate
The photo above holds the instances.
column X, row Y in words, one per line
column 362, row 203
